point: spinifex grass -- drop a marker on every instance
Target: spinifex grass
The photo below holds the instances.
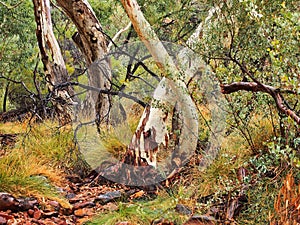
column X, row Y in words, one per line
column 34, row 166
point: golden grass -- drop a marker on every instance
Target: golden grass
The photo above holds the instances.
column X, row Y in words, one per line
column 34, row 166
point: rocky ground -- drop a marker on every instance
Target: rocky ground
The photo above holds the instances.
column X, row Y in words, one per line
column 91, row 196
column 86, row 199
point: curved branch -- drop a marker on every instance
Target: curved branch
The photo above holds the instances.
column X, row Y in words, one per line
column 255, row 87
column 117, row 35
column 9, row 7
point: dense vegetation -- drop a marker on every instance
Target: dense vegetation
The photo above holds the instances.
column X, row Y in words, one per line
column 257, row 166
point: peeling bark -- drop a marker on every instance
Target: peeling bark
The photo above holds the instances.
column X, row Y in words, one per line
column 54, row 65
column 93, row 45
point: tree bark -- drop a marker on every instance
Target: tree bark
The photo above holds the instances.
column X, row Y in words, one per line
column 171, row 90
column 54, row 65
column 93, row 46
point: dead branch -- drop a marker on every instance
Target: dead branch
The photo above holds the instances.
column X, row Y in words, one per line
column 255, row 87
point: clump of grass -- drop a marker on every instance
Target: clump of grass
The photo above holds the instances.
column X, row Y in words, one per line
column 116, row 138
column 144, row 212
column 221, row 174
column 24, row 174
column 13, row 127
column 262, row 130
column 35, row 166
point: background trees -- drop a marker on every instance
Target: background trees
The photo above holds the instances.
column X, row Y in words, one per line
column 252, row 47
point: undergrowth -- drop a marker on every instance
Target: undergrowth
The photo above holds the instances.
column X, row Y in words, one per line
column 38, row 161
column 43, row 153
column 144, row 211
column 265, row 164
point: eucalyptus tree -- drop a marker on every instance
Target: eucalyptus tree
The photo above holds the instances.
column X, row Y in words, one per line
column 17, row 51
column 254, row 46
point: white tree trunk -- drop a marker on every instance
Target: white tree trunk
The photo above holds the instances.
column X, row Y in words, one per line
column 171, row 90
column 54, row 65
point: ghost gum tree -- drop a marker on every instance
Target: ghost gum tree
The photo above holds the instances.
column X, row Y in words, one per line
column 91, row 41
column 54, row 64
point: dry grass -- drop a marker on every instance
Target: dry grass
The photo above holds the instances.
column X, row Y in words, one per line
column 287, row 203
column 34, row 167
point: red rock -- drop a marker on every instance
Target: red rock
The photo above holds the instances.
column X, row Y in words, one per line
column 49, row 214
column 30, row 212
column 110, row 206
column 61, row 222
column 37, row 214
column 80, row 205
column 8, row 202
column 54, row 203
column 3, row 220
column 6, row 216
column 83, row 212
column 49, row 222
column 201, row 220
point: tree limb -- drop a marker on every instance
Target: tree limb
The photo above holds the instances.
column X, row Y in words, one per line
column 11, row 6
column 255, row 87
column 117, row 35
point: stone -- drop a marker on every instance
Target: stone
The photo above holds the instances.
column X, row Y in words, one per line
column 3, row 220
column 80, row 205
column 37, row 214
column 8, row 202
column 110, row 207
column 182, row 209
column 27, row 203
column 201, row 220
column 109, row 196
column 83, row 212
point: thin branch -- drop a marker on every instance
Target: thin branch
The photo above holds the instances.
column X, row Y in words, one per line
column 259, row 87
column 117, row 35
column 9, row 7
column 108, row 92
column 18, row 82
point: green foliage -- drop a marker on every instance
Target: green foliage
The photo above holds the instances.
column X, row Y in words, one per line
column 263, row 38
column 18, row 49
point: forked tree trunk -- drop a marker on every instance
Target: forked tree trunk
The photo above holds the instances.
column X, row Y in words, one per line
column 171, row 90
column 93, row 45
column 139, row 167
column 54, row 65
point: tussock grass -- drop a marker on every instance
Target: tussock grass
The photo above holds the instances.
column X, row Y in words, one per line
column 116, row 138
column 35, row 166
column 262, row 131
